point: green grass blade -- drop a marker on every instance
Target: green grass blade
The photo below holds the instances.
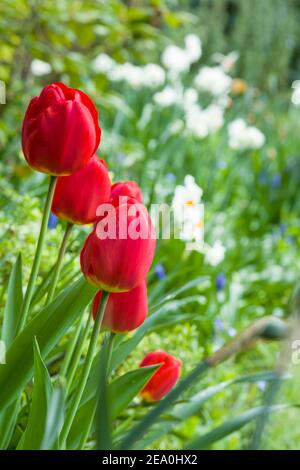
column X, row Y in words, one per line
column 13, row 303
column 230, row 426
column 55, row 417
column 42, row 391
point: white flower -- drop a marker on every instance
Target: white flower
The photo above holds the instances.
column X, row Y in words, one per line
column 296, row 93
column 130, row 73
column 213, row 80
column 243, row 137
column 202, row 122
column 215, row 254
column 193, row 47
column 103, row 63
column 154, row 75
column 167, row 97
column 188, row 212
column 39, row 67
column 189, row 98
column 228, row 61
column 176, row 60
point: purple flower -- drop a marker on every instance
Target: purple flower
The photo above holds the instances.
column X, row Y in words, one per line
column 159, row 271
column 52, row 221
column 276, row 181
column 220, row 281
column 170, row 177
column 263, row 177
column 219, row 324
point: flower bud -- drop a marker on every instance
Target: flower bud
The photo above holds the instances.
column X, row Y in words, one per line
column 117, row 255
column 60, row 130
column 125, row 311
column 164, row 379
column 126, row 188
column 77, row 197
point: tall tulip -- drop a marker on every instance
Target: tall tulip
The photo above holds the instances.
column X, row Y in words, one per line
column 164, row 379
column 118, row 259
column 125, row 311
column 77, row 197
column 126, row 188
column 60, row 130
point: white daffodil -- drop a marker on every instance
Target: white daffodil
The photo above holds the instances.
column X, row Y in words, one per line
column 243, row 137
column 213, row 80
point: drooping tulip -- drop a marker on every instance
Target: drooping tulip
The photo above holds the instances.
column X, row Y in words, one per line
column 125, row 311
column 117, row 255
column 60, row 130
column 126, row 188
column 164, row 379
column 77, row 197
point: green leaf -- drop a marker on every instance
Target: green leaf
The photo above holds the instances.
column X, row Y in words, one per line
column 13, row 303
column 48, row 326
column 183, row 411
column 42, row 391
column 230, row 426
column 130, row 384
column 55, row 417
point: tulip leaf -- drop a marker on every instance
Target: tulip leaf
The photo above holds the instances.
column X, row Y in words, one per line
column 230, row 426
column 48, row 326
column 42, row 392
column 130, row 384
column 181, row 412
column 55, row 417
column 13, row 303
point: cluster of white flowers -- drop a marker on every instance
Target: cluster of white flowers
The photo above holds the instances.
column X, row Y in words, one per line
column 150, row 75
column 296, row 93
column 202, row 122
column 179, row 60
column 213, row 80
column 188, row 211
column 243, row 137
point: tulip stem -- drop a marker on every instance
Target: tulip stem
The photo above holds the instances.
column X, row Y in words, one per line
column 85, row 371
column 58, row 264
column 77, row 355
column 37, row 257
column 71, row 348
column 109, row 344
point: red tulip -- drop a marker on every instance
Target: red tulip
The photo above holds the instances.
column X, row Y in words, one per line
column 118, row 253
column 60, row 130
column 77, row 197
column 125, row 311
column 126, row 188
column 164, row 379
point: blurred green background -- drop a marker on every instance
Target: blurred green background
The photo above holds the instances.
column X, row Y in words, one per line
column 251, row 196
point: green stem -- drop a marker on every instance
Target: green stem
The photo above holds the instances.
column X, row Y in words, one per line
column 59, row 261
column 85, row 371
column 76, row 358
column 110, row 346
column 37, row 257
column 71, row 348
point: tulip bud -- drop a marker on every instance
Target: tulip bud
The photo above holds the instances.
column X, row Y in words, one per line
column 77, row 197
column 117, row 255
column 60, row 130
column 164, row 379
column 125, row 311
column 126, row 188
